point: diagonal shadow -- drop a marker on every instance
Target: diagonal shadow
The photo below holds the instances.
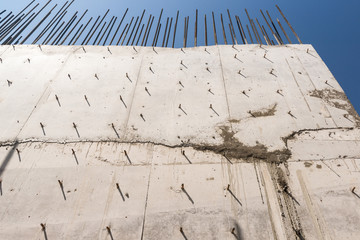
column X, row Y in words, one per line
column 232, row 194
column 76, row 159
column 183, row 153
column 191, row 200
column 118, row 188
column 183, row 234
column 8, row 157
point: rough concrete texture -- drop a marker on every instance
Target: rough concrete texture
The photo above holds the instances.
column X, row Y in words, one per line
column 222, row 142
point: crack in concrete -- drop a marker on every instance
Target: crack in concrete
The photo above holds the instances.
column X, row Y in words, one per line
column 230, row 148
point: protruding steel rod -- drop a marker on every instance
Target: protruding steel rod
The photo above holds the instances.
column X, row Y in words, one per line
column 132, row 19
column 232, row 36
column 53, row 21
column 152, row 20
column 122, row 19
column 242, row 29
column 292, row 29
column 132, row 31
column 107, row 36
column 247, row 26
column 262, row 32
column 215, row 37
column 111, row 21
column 38, row 25
column 76, row 33
column 277, row 32
column 10, row 39
column 137, row 29
column 51, row 35
column 256, row 32
column 166, row 29
column 157, row 36
column 99, row 34
column 177, row 16
column 223, row 29
column 157, row 28
column 251, row 25
column 96, row 28
column 206, row 39
column 196, row 28
column 77, row 38
column 272, row 32
column 74, row 27
column 142, row 28
column 55, row 33
column 267, row 36
column 85, row 39
column 283, row 30
column 167, row 39
column 184, row 40
column 241, row 34
column 117, row 44
column 64, row 30
column 32, row 19
column 232, row 27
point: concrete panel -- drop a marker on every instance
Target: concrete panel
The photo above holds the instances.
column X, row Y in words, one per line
column 270, row 152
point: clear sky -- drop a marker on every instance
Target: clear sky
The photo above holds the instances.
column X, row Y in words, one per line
column 331, row 26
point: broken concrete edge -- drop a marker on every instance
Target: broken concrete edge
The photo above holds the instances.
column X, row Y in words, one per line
column 231, row 148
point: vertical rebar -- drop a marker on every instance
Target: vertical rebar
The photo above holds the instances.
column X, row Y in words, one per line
column 177, row 15
column 82, row 31
column 132, row 31
column 289, row 24
column 206, row 39
column 112, row 19
column 232, row 27
column 146, row 30
column 122, row 19
column 166, row 28
column 82, row 16
column 99, row 34
column 85, row 39
column 152, row 20
column 50, row 35
column 277, row 32
column 132, row 19
column 215, row 37
column 249, row 34
column 167, row 39
column 272, row 32
column 137, row 29
column 117, row 44
column 196, row 30
column 287, row 37
column 157, row 28
column 142, row 28
column 223, row 29
column 107, row 36
column 38, row 25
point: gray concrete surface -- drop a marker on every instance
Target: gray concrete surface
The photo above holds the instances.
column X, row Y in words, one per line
column 263, row 139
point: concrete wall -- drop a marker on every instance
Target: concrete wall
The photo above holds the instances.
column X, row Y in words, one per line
column 263, row 139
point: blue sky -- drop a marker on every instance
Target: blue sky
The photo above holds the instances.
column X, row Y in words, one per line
column 331, row 26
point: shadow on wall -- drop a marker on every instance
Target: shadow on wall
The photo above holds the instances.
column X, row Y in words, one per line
column 236, row 230
column 8, row 157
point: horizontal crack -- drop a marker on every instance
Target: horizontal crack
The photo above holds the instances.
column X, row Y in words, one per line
column 230, row 148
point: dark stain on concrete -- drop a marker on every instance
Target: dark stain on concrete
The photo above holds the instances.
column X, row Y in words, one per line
column 308, row 164
column 266, row 112
column 338, row 100
column 232, row 148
